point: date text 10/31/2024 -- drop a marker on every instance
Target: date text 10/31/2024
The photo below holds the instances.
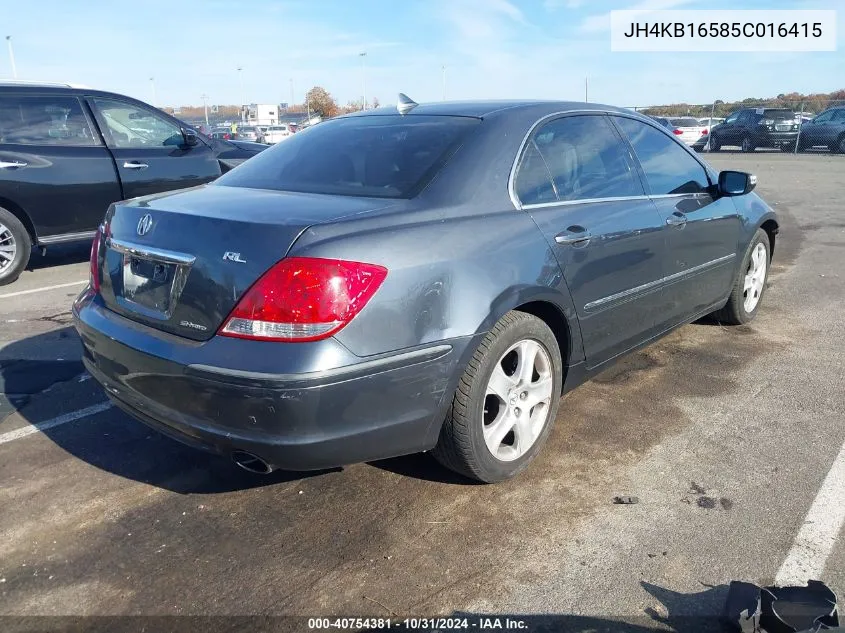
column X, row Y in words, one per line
column 409, row 624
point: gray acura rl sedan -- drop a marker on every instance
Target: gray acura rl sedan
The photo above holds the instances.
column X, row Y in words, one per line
column 435, row 278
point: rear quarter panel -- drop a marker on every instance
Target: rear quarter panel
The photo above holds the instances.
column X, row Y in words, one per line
column 451, row 275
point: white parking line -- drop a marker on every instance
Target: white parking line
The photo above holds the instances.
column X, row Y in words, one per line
column 44, row 289
column 817, row 536
column 49, row 424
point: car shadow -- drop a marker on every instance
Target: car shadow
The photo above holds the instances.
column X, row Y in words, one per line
column 60, row 255
column 698, row 612
column 423, row 466
column 42, row 390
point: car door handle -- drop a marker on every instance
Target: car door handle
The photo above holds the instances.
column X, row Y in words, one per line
column 676, row 219
column 12, row 164
column 574, row 235
column 134, row 165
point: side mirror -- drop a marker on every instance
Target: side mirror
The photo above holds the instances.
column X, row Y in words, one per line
column 736, row 183
column 190, row 137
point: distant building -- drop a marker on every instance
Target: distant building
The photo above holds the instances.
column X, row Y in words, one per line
column 262, row 114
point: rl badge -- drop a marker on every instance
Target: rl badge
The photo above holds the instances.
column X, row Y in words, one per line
column 233, row 257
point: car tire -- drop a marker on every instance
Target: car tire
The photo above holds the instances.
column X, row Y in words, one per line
column 787, row 148
column 747, row 144
column 715, row 146
column 16, row 247
column 750, row 282
column 839, row 146
column 478, row 415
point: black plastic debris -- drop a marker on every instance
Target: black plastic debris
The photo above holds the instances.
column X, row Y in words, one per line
column 625, row 500
column 753, row 609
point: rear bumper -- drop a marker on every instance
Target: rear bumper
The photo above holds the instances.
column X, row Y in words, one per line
column 353, row 412
column 773, row 139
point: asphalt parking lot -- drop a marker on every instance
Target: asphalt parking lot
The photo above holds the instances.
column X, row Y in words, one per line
column 727, row 435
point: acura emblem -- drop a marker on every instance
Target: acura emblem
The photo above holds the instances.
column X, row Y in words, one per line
column 145, row 224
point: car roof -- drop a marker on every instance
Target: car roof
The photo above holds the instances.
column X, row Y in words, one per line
column 481, row 109
column 60, row 88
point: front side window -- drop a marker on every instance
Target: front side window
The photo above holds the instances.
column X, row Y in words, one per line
column 44, row 120
column 587, row 159
column 826, row 116
column 389, row 156
column 669, row 169
column 131, row 127
column 733, row 117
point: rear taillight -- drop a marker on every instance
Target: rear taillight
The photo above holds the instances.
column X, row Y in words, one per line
column 304, row 299
column 704, row 131
column 677, row 132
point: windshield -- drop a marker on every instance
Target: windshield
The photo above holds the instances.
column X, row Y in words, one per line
column 379, row 156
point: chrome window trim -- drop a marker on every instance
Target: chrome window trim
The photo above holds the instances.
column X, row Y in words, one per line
column 609, row 113
column 630, row 292
column 562, row 203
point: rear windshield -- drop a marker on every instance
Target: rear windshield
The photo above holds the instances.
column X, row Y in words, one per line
column 378, row 156
column 685, row 122
column 781, row 115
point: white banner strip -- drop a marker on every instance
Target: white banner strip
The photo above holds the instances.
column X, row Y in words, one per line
column 722, row 31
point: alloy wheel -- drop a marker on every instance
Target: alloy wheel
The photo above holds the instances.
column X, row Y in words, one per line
column 8, row 248
column 755, row 277
column 517, row 400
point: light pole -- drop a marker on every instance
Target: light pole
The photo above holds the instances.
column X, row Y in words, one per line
column 363, row 81
column 241, row 86
column 205, row 106
column 12, row 56
column 153, row 86
column 443, row 68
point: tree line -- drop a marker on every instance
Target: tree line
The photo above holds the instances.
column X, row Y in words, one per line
column 318, row 101
column 793, row 101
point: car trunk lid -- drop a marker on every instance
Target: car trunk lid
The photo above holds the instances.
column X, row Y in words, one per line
column 179, row 262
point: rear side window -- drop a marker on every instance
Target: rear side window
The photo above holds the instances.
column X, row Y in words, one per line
column 669, row 169
column 533, row 182
column 44, row 120
column 587, row 159
column 380, row 156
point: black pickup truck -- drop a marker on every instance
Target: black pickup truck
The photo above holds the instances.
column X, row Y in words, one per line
column 67, row 153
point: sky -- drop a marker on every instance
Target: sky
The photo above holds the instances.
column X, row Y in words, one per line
column 491, row 49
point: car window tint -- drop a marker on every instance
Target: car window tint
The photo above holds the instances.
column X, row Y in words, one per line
column 587, row 159
column 669, row 169
column 533, row 182
column 733, row 117
column 839, row 115
column 44, row 120
column 391, row 156
column 130, row 126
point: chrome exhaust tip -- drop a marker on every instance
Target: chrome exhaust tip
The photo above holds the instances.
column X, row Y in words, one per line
column 251, row 463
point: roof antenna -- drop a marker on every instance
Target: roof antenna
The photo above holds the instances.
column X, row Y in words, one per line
column 405, row 104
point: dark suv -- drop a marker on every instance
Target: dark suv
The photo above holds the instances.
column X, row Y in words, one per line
column 826, row 130
column 67, row 153
column 756, row 127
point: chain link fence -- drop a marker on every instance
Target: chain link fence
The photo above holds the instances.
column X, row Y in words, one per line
column 783, row 124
